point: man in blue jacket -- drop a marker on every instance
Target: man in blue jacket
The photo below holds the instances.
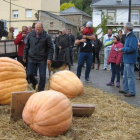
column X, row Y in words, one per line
column 130, row 52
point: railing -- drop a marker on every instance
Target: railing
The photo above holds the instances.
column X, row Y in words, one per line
column 8, row 48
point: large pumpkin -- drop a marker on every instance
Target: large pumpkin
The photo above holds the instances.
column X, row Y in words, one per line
column 48, row 113
column 66, row 82
column 12, row 78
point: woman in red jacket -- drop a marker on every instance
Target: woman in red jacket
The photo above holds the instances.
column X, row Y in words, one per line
column 115, row 58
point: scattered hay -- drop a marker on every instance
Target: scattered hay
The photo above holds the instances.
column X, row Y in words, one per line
column 113, row 119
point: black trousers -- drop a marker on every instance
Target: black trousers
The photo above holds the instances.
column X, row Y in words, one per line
column 20, row 59
column 96, row 54
column 64, row 55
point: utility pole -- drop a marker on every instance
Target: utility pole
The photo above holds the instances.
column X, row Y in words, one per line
column 129, row 15
column 10, row 15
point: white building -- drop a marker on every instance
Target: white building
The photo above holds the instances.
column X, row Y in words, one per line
column 118, row 10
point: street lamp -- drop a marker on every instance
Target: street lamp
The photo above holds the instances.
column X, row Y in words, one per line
column 37, row 15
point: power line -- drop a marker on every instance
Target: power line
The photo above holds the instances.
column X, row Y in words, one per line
column 127, row 9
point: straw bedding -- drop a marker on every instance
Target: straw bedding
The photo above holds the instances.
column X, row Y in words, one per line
column 113, row 119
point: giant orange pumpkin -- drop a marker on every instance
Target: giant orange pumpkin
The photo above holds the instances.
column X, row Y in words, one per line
column 48, row 113
column 12, row 78
column 66, row 82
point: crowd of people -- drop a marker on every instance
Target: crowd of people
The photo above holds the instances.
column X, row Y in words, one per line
column 35, row 51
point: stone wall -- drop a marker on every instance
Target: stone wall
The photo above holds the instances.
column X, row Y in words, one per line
column 57, row 24
column 75, row 19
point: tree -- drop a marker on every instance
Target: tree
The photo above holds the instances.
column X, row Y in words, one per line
column 66, row 6
column 79, row 4
column 64, row 1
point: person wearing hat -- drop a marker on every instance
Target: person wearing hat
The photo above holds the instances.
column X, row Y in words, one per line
column 130, row 52
column 114, row 59
column 88, row 31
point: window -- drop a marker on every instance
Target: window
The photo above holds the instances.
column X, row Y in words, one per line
column 111, row 15
column 15, row 31
column 135, row 17
column 15, row 14
column 28, row 13
column 51, row 24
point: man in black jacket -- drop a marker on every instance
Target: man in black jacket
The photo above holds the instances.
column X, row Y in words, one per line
column 39, row 49
column 72, row 39
column 64, row 46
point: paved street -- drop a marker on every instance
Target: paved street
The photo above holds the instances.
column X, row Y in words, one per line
column 99, row 80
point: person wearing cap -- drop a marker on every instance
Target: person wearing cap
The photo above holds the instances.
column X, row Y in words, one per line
column 89, row 31
column 85, row 53
column 130, row 52
column 10, row 34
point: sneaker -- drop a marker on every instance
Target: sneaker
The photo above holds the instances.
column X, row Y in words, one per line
column 104, row 68
column 87, row 80
column 110, row 84
column 117, row 84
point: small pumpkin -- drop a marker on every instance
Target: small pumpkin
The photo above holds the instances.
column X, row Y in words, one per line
column 12, row 79
column 66, row 82
column 48, row 113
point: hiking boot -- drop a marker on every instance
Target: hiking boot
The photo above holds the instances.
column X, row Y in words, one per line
column 110, row 84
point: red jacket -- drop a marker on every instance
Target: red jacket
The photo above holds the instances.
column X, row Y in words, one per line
column 115, row 56
column 88, row 31
column 20, row 42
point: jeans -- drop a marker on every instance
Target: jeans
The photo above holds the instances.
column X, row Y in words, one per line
column 42, row 73
column 106, row 54
column 139, row 66
column 82, row 57
column 71, row 55
column 115, row 70
column 129, row 79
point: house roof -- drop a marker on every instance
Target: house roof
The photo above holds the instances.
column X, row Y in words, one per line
column 73, row 11
column 59, row 18
column 114, row 3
